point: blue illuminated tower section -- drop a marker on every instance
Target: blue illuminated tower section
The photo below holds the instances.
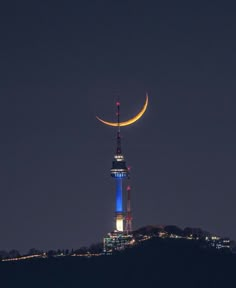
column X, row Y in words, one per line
column 119, row 172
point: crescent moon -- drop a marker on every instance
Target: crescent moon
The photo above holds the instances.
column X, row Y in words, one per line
column 130, row 121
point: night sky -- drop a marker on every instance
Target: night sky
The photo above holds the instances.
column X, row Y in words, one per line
column 64, row 62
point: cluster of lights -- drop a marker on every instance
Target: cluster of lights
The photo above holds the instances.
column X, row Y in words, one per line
column 119, row 174
column 218, row 242
column 119, row 157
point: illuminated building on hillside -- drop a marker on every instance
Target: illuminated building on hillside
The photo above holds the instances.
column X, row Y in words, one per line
column 218, row 242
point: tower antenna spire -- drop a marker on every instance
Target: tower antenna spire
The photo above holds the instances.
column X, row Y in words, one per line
column 118, row 137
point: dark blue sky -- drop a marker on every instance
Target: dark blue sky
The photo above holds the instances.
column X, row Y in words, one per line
column 64, row 62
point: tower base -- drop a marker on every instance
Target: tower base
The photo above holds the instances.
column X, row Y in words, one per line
column 116, row 241
column 119, row 218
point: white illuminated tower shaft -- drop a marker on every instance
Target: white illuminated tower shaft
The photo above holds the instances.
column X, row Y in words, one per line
column 119, row 172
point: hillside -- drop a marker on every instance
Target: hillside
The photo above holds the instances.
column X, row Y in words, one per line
column 153, row 263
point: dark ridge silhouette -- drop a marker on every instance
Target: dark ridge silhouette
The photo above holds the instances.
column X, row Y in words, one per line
column 153, row 263
column 171, row 229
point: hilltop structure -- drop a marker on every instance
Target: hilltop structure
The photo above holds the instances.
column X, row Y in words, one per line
column 120, row 237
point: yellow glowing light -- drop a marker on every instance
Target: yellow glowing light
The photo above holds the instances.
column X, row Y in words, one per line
column 119, row 224
column 130, row 121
